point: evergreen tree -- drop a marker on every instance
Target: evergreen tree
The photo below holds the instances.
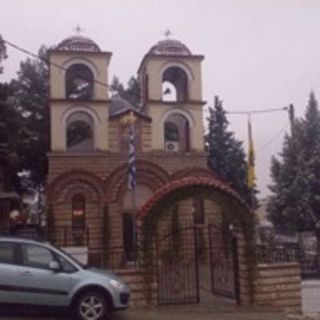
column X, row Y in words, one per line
column 226, row 156
column 295, row 201
column 131, row 93
column 10, row 128
column 3, row 53
column 117, row 87
column 30, row 99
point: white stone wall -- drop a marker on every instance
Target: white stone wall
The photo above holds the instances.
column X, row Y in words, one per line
column 310, row 297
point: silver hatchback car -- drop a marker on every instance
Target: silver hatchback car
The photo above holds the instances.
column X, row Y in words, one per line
column 36, row 273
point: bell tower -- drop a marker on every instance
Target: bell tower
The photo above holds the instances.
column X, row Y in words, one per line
column 78, row 96
column 171, row 91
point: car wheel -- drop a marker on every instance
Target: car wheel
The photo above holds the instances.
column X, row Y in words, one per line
column 92, row 306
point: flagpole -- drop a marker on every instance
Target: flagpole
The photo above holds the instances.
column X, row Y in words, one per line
column 134, row 204
column 251, row 177
column 128, row 121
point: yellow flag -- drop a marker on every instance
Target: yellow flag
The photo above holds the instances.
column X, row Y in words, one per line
column 251, row 174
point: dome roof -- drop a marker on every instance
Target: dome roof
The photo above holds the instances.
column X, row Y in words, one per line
column 78, row 43
column 170, row 47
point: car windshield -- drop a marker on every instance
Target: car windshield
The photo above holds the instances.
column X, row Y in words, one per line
column 77, row 262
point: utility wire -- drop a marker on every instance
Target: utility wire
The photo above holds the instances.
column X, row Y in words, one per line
column 273, row 138
column 27, row 52
column 248, row 113
column 258, row 111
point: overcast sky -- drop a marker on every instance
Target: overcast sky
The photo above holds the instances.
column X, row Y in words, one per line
column 259, row 54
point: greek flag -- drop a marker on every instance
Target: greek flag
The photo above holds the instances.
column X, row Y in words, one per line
column 132, row 170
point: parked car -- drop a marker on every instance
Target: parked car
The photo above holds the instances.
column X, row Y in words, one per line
column 37, row 273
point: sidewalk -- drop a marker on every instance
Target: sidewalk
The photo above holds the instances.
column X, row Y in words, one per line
column 210, row 308
column 213, row 310
column 183, row 313
column 177, row 313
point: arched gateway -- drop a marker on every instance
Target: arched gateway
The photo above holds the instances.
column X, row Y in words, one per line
column 189, row 256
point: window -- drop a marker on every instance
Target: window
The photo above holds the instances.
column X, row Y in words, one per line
column 7, row 253
column 174, row 85
column 79, row 82
column 80, row 132
column 171, row 131
column 177, row 133
column 78, row 211
column 36, row 256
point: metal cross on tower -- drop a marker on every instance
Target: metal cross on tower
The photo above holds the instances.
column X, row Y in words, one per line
column 78, row 29
column 168, row 33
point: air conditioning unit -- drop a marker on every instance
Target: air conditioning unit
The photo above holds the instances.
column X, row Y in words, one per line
column 172, row 146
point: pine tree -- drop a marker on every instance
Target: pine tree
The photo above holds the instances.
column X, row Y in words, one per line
column 30, row 99
column 295, row 202
column 226, row 156
column 10, row 127
column 131, row 93
column 3, row 53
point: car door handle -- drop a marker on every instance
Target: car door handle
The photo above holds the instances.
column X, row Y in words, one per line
column 27, row 273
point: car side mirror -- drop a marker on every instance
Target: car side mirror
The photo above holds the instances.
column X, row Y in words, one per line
column 54, row 266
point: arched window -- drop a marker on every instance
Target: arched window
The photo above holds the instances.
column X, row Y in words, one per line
column 79, row 132
column 78, row 211
column 177, row 133
column 174, row 85
column 171, row 131
column 79, row 82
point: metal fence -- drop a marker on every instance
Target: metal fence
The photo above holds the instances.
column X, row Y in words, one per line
column 28, row 232
column 115, row 258
column 70, row 237
column 309, row 262
column 276, row 254
column 62, row 236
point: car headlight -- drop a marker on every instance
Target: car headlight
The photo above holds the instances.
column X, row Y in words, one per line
column 116, row 284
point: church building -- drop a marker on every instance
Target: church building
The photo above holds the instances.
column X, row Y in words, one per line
column 89, row 202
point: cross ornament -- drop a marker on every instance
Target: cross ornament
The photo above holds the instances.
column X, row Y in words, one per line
column 168, row 33
column 78, row 29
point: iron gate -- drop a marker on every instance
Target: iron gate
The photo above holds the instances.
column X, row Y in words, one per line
column 177, row 267
column 223, row 262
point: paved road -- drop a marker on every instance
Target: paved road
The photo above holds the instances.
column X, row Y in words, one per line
column 210, row 308
column 163, row 313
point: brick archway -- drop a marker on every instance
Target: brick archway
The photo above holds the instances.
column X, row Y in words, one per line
column 57, row 185
column 224, row 245
column 148, row 174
